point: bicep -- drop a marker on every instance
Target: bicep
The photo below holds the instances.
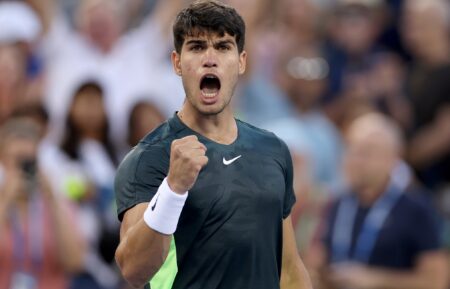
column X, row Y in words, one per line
column 131, row 218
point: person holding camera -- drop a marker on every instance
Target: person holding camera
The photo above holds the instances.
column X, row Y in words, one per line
column 39, row 245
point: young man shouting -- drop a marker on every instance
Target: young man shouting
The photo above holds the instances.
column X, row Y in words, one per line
column 205, row 199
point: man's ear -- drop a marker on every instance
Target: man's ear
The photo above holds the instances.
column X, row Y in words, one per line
column 242, row 62
column 176, row 62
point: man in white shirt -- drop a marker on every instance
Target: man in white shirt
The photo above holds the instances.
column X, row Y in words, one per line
column 127, row 63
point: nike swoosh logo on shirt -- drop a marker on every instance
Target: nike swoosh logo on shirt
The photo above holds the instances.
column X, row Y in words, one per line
column 225, row 162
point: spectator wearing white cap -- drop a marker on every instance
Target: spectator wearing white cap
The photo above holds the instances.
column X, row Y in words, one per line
column 20, row 27
column 19, row 23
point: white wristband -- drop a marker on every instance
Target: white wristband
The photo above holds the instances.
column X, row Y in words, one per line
column 164, row 210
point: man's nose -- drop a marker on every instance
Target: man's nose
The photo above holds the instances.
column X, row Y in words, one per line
column 210, row 58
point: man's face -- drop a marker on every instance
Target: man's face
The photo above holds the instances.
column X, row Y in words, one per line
column 421, row 28
column 355, row 29
column 209, row 66
column 12, row 67
column 101, row 21
column 369, row 158
column 88, row 112
column 16, row 149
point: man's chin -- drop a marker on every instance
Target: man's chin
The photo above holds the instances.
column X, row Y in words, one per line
column 210, row 110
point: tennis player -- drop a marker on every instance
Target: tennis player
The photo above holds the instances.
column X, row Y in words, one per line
column 205, row 199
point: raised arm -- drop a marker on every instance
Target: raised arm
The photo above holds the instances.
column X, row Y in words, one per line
column 158, row 24
column 164, row 12
column 147, row 228
column 46, row 10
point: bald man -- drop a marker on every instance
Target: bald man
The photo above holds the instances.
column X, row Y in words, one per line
column 382, row 232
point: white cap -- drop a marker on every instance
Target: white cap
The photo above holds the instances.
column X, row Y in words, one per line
column 18, row 22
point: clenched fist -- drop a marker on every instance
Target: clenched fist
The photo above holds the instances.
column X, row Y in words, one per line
column 187, row 158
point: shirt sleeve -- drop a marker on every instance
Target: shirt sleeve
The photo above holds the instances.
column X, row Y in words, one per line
column 289, row 194
column 139, row 176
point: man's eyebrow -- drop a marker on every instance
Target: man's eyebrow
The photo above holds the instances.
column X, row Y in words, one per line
column 225, row 41
column 195, row 41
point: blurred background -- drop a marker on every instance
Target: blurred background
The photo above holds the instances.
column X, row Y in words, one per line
column 82, row 81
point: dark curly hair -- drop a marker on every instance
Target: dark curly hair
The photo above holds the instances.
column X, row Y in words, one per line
column 208, row 16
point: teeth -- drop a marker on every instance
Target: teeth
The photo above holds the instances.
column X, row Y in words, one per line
column 209, row 94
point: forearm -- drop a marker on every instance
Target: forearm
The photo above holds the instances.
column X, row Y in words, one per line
column 410, row 280
column 295, row 276
column 428, row 145
column 69, row 248
column 293, row 272
column 141, row 253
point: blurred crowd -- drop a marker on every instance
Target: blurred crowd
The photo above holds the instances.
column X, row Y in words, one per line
column 358, row 89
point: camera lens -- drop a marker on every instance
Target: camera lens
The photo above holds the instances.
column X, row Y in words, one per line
column 28, row 167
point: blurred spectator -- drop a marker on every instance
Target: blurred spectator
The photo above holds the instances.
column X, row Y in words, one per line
column 387, row 88
column 302, row 76
column 258, row 99
column 144, row 117
column 87, row 138
column 36, row 113
column 19, row 29
column 12, row 65
column 300, row 19
column 85, row 166
column 258, row 17
column 39, row 244
column 129, row 63
column 426, row 30
column 383, row 233
column 351, row 52
column 312, row 138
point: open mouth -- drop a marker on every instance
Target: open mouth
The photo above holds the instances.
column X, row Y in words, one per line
column 210, row 85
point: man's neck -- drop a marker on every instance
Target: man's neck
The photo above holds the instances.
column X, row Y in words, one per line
column 220, row 127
